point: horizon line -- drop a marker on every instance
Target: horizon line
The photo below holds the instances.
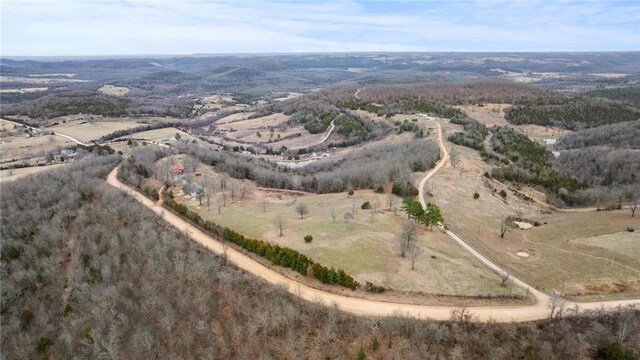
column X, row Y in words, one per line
column 275, row 53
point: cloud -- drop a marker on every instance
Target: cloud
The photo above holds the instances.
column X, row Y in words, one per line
column 89, row 27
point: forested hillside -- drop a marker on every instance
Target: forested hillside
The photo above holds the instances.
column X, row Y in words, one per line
column 573, row 113
column 607, row 158
column 88, row 273
column 621, row 135
column 528, row 163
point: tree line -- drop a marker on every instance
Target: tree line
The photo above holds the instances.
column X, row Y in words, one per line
column 573, row 113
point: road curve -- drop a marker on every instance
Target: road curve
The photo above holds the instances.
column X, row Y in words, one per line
column 352, row 305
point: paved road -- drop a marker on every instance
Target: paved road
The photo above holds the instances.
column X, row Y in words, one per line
column 353, row 305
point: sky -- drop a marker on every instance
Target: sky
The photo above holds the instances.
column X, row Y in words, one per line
column 133, row 27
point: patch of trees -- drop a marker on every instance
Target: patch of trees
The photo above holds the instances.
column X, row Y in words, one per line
column 573, row 113
column 370, row 167
column 411, row 126
column 624, row 135
column 101, row 276
column 528, row 163
column 453, row 93
column 139, row 167
column 629, row 95
column 606, row 158
column 120, row 133
column 600, row 165
column 427, row 217
column 69, row 103
column 404, row 189
column 472, row 136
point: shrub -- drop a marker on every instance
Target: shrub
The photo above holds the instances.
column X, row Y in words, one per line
column 362, row 355
column 476, row 195
column 366, row 205
column 630, row 229
column 350, row 193
column 43, row 344
column 379, row 189
column 308, row 238
column 25, row 318
column 503, row 194
column 404, row 189
column 373, row 288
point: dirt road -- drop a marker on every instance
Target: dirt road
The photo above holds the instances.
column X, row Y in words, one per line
column 345, row 303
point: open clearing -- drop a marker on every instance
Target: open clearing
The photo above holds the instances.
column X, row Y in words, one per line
column 39, row 80
column 365, row 248
column 114, row 90
column 87, row 131
column 164, row 135
column 493, row 115
column 23, row 90
column 19, row 147
column 556, row 253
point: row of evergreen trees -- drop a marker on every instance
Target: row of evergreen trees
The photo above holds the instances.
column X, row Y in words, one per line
column 277, row 255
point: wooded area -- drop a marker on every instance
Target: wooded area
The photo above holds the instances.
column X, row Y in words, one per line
column 89, row 273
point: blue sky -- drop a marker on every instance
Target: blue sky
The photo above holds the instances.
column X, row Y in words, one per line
column 121, row 27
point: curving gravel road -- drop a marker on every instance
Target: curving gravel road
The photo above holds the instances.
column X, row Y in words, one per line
column 349, row 304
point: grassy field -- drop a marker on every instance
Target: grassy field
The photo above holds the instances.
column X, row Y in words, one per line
column 587, row 252
column 114, row 90
column 159, row 134
column 493, row 115
column 87, row 131
column 365, row 247
column 18, row 147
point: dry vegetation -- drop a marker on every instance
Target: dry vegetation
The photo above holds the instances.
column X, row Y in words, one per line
column 365, row 246
column 90, row 273
column 557, row 254
column 92, row 130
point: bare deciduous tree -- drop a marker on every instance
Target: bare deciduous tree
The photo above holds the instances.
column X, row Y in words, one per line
column 302, row 209
column 332, row 212
column 264, row 203
column 347, row 217
column 414, row 252
column 245, row 189
column 390, row 201
column 407, row 236
column 556, row 306
column 504, row 277
column 280, row 223
column 504, row 226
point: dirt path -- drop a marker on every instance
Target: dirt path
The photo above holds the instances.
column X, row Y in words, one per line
column 332, row 126
column 356, row 94
column 541, row 299
column 345, row 303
